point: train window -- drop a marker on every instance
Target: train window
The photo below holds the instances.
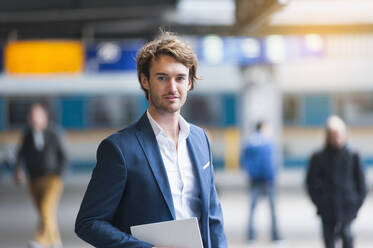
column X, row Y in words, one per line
column 111, row 111
column 18, row 107
column 290, row 109
column 356, row 108
column 315, row 109
column 203, row 110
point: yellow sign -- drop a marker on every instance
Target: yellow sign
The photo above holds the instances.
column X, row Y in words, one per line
column 44, row 57
column 232, row 148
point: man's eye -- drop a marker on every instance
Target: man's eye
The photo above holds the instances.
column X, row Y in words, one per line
column 162, row 78
column 180, row 78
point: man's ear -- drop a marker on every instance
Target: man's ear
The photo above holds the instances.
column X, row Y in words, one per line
column 144, row 81
column 189, row 84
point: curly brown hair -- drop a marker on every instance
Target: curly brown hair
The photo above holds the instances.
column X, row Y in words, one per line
column 166, row 44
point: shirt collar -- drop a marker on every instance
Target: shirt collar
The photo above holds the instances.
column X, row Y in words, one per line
column 156, row 128
column 183, row 125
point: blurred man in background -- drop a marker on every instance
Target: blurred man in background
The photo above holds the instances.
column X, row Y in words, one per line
column 42, row 153
column 335, row 182
column 258, row 159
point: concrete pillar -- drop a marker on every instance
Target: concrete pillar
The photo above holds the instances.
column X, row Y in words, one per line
column 261, row 100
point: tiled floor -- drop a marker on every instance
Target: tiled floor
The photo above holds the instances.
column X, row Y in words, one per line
column 297, row 221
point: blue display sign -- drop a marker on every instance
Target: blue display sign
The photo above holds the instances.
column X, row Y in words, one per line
column 249, row 50
column 213, row 49
column 231, row 50
column 112, row 56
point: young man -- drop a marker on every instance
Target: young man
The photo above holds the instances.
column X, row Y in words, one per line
column 336, row 184
column 159, row 168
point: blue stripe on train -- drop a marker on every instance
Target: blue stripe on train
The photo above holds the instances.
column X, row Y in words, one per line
column 300, row 162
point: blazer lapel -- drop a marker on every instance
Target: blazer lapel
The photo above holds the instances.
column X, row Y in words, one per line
column 145, row 136
column 198, row 166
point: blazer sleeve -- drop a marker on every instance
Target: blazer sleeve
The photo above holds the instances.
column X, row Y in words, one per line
column 20, row 156
column 60, row 150
column 98, row 208
column 359, row 177
column 217, row 235
column 313, row 180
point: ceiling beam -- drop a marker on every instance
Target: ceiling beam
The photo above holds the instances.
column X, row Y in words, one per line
column 123, row 26
column 84, row 14
column 318, row 29
column 253, row 16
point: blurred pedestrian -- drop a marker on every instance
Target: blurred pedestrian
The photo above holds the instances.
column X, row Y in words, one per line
column 258, row 159
column 335, row 182
column 42, row 154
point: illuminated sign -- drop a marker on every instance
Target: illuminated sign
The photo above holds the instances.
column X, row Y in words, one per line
column 112, row 56
column 43, row 57
column 249, row 50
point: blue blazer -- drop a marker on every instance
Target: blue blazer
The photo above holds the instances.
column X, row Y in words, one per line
column 129, row 186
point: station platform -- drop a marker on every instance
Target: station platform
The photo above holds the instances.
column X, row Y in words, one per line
column 298, row 222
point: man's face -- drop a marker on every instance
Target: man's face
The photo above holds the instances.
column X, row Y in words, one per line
column 168, row 84
column 38, row 118
column 336, row 138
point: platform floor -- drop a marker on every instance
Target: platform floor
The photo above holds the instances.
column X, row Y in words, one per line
column 298, row 224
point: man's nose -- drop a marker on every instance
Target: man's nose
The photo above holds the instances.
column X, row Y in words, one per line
column 172, row 85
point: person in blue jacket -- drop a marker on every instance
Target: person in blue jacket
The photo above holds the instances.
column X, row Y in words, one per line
column 258, row 160
column 159, row 168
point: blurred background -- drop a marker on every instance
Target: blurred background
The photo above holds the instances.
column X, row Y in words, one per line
column 289, row 62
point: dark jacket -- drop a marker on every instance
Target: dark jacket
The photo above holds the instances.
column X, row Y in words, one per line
column 336, row 184
column 50, row 160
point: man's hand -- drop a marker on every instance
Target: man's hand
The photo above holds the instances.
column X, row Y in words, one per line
column 19, row 177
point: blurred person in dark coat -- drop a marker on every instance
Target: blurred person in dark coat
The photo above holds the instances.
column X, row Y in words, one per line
column 258, row 160
column 336, row 184
column 42, row 154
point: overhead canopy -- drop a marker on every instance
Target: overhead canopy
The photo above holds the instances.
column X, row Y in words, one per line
column 112, row 19
column 305, row 16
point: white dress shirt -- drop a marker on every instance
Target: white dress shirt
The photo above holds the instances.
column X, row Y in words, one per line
column 38, row 138
column 181, row 174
